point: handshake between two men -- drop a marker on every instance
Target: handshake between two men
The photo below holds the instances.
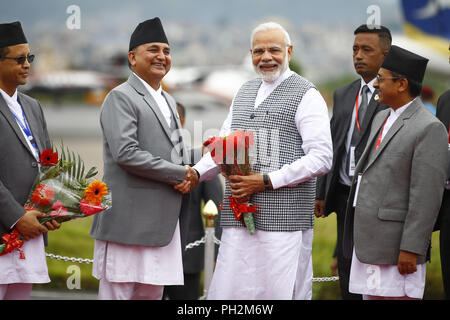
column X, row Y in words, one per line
column 241, row 187
column 190, row 181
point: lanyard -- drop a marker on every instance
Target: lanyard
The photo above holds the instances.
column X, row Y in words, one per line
column 26, row 128
column 357, row 119
column 380, row 135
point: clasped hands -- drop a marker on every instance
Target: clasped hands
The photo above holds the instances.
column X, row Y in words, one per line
column 190, row 181
column 243, row 187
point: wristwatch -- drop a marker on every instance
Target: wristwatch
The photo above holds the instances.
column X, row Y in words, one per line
column 267, row 185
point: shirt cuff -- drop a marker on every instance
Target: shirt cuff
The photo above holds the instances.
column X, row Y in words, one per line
column 207, row 168
column 276, row 178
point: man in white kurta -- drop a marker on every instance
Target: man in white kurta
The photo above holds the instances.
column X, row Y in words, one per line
column 23, row 134
column 139, row 272
column 397, row 189
column 16, row 282
column 377, row 281
column 268, row 264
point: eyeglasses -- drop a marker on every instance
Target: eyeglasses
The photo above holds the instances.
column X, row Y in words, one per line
column 380, row 78
column 21, row 60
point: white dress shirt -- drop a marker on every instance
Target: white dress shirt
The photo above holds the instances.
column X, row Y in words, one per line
column 16, row 109
column 393, row 115
column 313, row 125
column 343, row 175
column 160, row 100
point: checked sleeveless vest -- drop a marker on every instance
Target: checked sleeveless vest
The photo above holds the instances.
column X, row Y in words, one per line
column 278, row 143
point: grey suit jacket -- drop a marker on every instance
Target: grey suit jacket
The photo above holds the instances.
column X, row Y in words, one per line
column 141, row 156
column 18, row 167
column 401, row 188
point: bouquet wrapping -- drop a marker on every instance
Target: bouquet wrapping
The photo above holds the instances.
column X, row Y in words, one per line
column 63, row 191
column 232, row 154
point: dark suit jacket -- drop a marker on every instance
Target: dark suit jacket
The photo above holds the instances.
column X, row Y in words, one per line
column 18, row 167
column 344, row 99
column 443, row 114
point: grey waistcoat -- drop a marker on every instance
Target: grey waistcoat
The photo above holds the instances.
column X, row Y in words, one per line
column 277, row 143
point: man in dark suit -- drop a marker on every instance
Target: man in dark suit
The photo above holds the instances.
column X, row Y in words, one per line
column 443, row 221
column 24, row 135
column 355, row 105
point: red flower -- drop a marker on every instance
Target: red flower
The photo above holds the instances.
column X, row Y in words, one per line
column 90, row 208
column 42, row 195
column 48, row 157
column 58, row 209
column 242, row 139
column 232, row 149
column 29, row 207
column 11, row 241
column 209, row 141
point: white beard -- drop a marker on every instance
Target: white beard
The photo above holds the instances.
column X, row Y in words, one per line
column 271, row 76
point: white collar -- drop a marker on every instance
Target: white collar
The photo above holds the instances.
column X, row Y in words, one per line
column 402, row 108
column 150, row 89
column 369, row 85
column 9, row 99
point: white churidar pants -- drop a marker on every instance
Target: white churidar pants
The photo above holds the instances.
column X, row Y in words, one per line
column 263, row 266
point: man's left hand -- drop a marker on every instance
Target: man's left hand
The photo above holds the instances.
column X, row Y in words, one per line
column 245, row 186
column 407, row 262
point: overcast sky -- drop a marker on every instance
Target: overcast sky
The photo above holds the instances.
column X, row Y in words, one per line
column 111, row 12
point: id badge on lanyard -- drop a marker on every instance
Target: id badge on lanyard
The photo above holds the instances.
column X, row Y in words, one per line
column 352, row 165
column 29, row 136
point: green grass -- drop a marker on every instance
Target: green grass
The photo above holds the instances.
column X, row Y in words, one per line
column 322, row 255
column 73, row 240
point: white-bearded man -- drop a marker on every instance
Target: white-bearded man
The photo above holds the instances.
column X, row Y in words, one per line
column 275, row 262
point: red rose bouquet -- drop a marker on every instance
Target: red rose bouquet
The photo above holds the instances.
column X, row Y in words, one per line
column 63, row 192
column 232, row 154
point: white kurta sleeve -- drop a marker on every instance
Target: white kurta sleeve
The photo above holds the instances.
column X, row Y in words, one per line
column 206, row 167
column 313, row 125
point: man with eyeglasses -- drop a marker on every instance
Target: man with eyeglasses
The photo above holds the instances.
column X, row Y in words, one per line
column 354, row 107
column 24, row 135
column 290, row 120
column 397, row 188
